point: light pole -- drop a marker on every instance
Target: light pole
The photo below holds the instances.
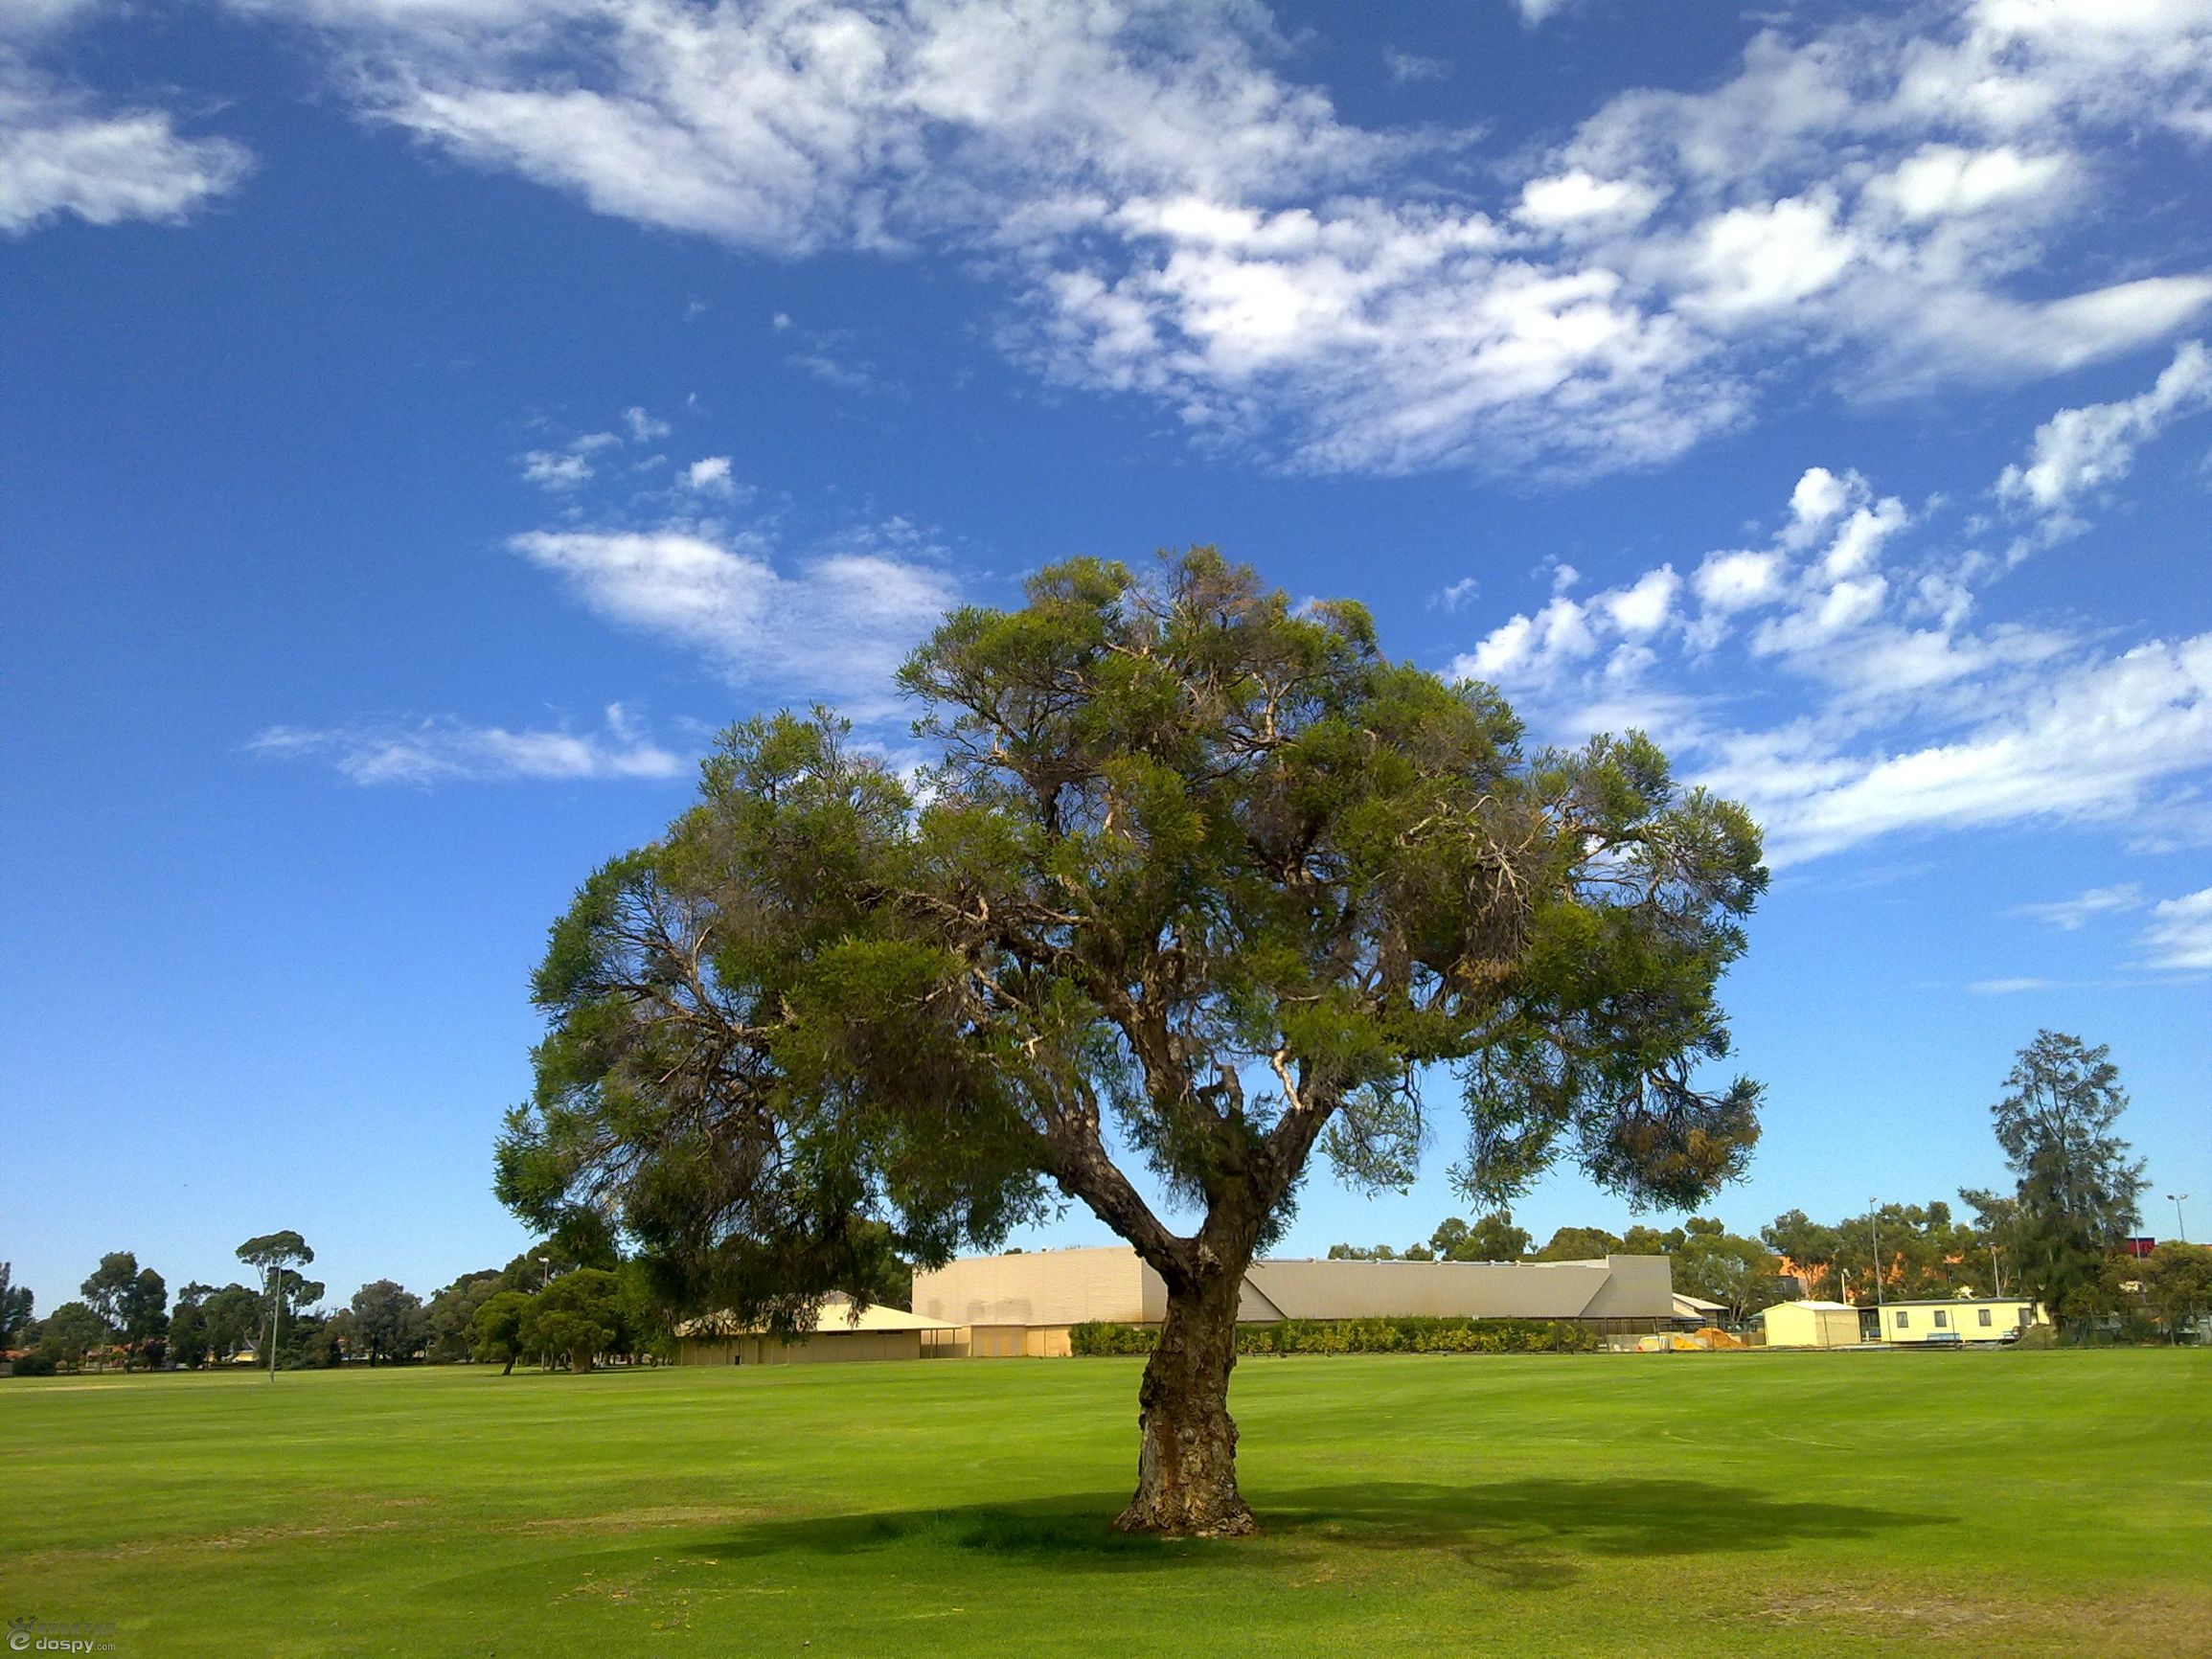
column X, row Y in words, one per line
column 1873, row 1226
column 2179, row 1226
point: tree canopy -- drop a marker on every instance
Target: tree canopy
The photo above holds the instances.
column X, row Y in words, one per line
column 2078, row 1185
column 1195, row 877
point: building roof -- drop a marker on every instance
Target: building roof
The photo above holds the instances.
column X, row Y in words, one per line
column 838, row 1315
column 1812, row 1308
column 1948, row 1301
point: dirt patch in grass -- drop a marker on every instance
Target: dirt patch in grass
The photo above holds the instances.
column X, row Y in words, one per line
column 2147, row 1621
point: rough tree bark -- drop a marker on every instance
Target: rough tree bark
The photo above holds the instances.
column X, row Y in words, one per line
column 1187, row 1463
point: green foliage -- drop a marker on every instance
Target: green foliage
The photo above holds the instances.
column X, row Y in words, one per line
column 2078, row 1186
column 130, row 1301
column 71, row 1332
column 15, row 1305
column 1194, row 871
column 1400, row 1336
column 2178, row 1283
column 36, row 1363
column 1578, row 1245
column 495, row 1329
column 387, row 1322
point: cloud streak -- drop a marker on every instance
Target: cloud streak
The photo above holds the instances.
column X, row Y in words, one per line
column 441, row 751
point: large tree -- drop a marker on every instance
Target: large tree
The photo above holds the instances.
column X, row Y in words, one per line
column 387, row 1321
column 16, row 1306
column 2078, row 1184
column 131, row 1300
column 1196, row 878
column 279, row 1255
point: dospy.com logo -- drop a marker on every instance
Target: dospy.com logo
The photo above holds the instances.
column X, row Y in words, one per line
column 29, row 1635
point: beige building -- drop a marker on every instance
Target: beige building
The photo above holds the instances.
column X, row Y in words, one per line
column 1810, row 1325
column 1024, row 1305
column 1964, row 1319
column 841, row 1333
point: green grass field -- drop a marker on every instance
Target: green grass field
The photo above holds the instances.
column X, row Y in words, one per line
column 2052, row 1503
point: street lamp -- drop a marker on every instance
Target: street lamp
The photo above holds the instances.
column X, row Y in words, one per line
column 2175, row 1200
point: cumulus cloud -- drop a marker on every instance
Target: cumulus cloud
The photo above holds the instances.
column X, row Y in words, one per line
column 438, row 751
column 66, row 152
column 1889, row 709
column 710, row 474
column 2078, row 452
column 1895, row 200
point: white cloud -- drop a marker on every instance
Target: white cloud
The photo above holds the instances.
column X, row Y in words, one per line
column 1451, row 597
column 1577, row 200
column 2089, row 745
column 2079, row 451
column 556, row 470
column 2179, row 936
column 1404, row 67
column 63, row 153
column 839, row 624
column 1841, row 689
column 2007, row 986
column 642, row 427
column 426, row 752
column 710, row 474
column 1891, row 203
column 1642, row 608
column 2069, row 914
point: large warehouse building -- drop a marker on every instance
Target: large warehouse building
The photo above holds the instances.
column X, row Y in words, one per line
column 1005, row 1307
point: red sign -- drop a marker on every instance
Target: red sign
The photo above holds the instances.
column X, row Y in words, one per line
column 2139, row 1248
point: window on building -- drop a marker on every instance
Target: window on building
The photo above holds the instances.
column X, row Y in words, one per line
column 1941, row 1319
column 1985, row 1315
column 1903, row 1319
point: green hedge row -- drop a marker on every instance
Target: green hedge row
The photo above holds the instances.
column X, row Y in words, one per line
column 1408, row 1336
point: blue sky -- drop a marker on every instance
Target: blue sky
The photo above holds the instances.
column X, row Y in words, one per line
column 423, row 422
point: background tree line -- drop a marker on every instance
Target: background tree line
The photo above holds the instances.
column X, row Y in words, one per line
column 559, row 1302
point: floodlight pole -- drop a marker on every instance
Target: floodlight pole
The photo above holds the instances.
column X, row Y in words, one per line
column 2180, row 1226
column 1873, row 1226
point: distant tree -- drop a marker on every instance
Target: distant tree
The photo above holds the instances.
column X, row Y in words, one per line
column 1493, row 1237
column 2176, row 1283
column 235, row 1317
column 1718, row 1265
column 15, row 1305
column 387, row 1321
column 2078, row 1185
column 1362, row 1253
column 1997, row 1236
column 578, row 1316
column 187, row 1327
column 1578, row 1245
column 495, row 1331
column 131, row 1300
column 1643, row 1241
column 71, row 1332
column 1181, row 837
column 447, row 1317
column 1811, row 1248
column 277, row 1255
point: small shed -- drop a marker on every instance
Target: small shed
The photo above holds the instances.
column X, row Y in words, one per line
column 1696, row 1313
column 841, row 1333
column 1810, row 1325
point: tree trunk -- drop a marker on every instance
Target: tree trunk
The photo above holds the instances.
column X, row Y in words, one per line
column 579, row 1361
column 1187, row 1467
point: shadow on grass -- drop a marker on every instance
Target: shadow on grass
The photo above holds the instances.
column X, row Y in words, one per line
column 1529, row 1533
